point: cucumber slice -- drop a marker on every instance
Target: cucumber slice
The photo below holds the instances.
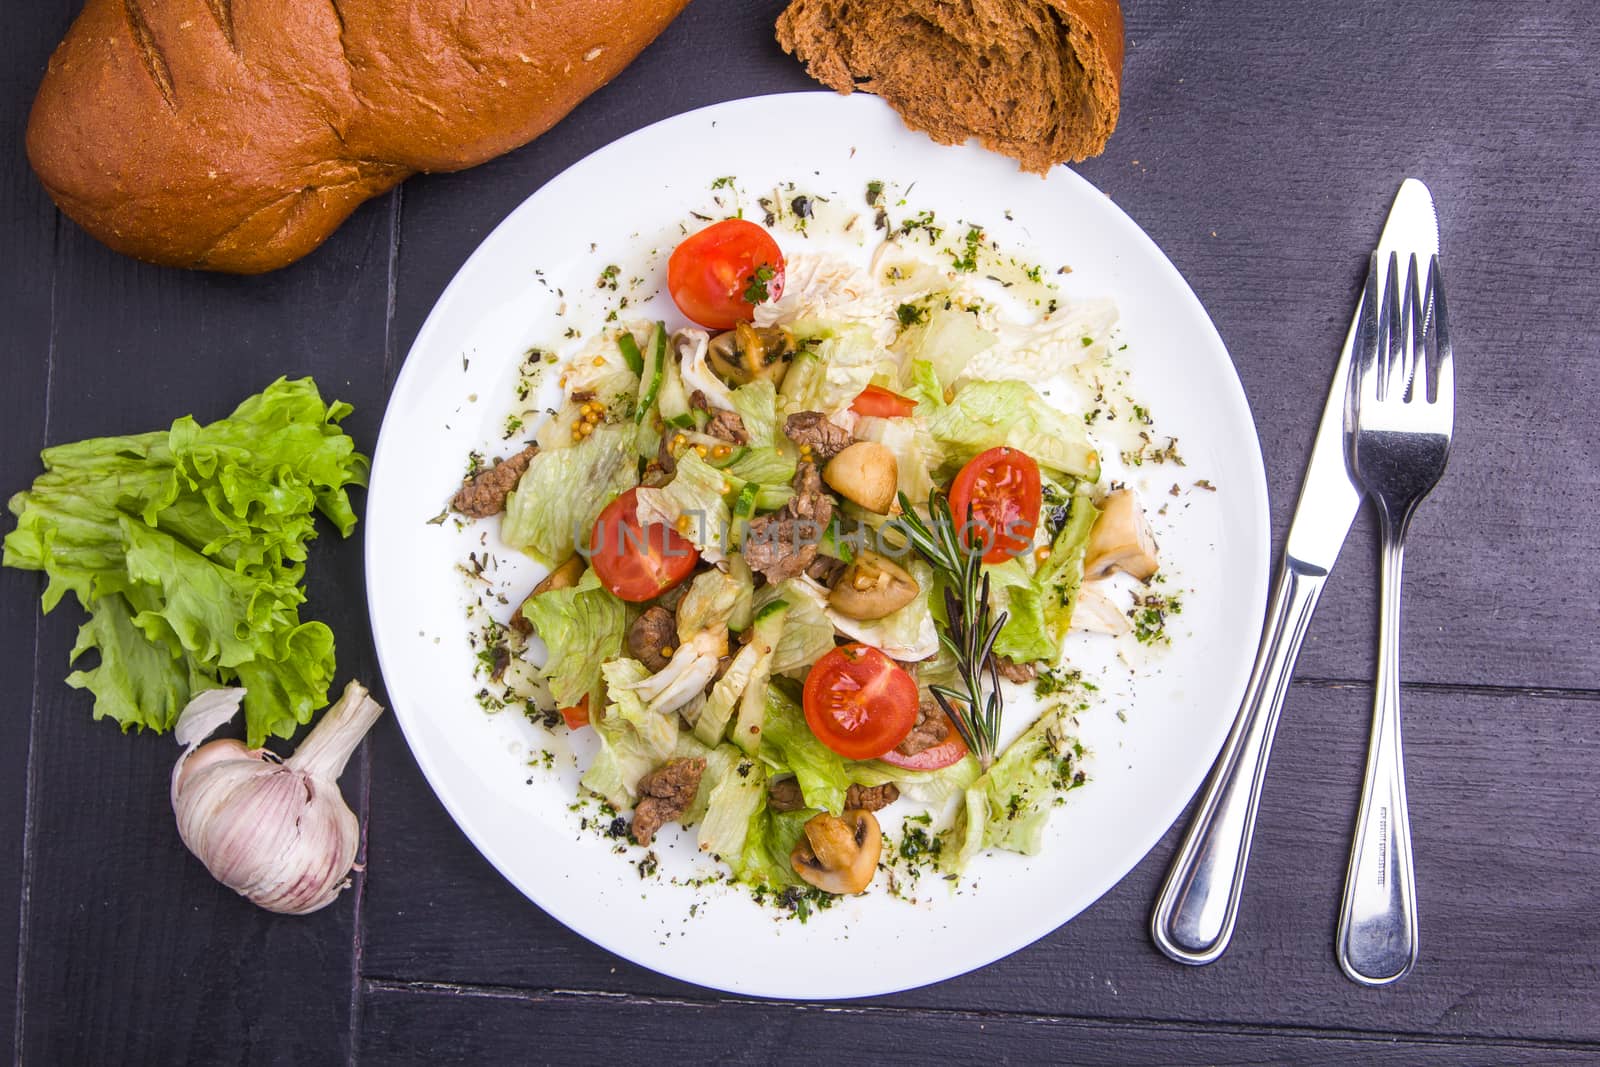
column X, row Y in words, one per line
column 630, row 352
column 655, row 363
column 743, row 510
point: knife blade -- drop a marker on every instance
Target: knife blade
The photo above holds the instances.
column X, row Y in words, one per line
column 1195, row 913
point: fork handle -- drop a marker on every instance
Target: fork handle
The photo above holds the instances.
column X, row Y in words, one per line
column 1377, row 937
column 1195, row 913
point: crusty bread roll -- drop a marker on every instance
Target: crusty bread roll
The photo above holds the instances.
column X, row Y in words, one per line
column 1035, row 79
column 235, row 135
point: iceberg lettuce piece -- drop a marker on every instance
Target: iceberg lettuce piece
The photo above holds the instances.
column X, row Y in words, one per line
column 734, row 801
column 911, row 447
column 697, row 491
column 788, row 745
column 841, row 362
column 720, row 762
column 807, row 631
column 932, row 788
column 563, row 491
column 757, row 405
column 716, row 598
column 1008, row 807
column 633, row 739
column 767, row 466
column 1026, row 636
column 986, row 415
column 769, row 839
column 582, row 627
column 946, row 339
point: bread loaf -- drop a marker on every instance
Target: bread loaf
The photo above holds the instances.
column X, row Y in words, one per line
column 235, row 135
column 1035, row 79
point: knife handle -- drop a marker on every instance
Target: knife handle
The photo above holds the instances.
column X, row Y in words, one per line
column 1195, row 913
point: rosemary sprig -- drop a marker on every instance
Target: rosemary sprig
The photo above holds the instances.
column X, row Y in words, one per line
column 970, row 633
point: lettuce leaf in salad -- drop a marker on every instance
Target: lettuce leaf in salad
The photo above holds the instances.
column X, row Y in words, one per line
column 947, row 339
column 757, row 405
column 597, row 372
column 1008, row 807
column 563, row 491
column 789, row 746
column 1026, row 636
column 932, row 788
column 807, row 631
column 769, row 467
column 716, row 598
column 696, row 491
column 835, row 364
column 986, row 415
column 736, row 799
column 769, row 839
column 582, row 627
column 633, row 739
column 720, row 762
column 923, row 386
column 1061, row 577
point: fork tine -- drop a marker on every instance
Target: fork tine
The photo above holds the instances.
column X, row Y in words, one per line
column 1415, row 354
column 1444, row 390
column 1393, row 327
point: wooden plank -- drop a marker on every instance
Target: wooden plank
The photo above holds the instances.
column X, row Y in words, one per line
column 445, row 1025
column 1509, row 948
column 25, row 308
column 1261, row 153
column 133, row 954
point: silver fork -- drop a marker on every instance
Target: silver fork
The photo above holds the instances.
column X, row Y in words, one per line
column 1397, row 430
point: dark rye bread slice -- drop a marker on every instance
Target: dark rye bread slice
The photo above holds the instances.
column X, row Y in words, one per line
column 1038, row 80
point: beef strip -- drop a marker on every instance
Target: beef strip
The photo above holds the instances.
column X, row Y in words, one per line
column 813, row 429
column 1012, row 671
column 650, row 633
column 931, row 729
column 784, row 795
column 485, row 493
column 729, row 426
column 659, row 471
column 782, row 545
column 871, row 798
column 664, row 794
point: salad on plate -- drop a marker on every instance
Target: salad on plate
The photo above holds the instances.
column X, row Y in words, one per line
column 808, row 544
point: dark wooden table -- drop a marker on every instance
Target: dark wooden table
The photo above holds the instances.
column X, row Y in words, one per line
column 1260, row 144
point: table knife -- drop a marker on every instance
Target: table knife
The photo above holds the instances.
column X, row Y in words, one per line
column 1194, row 915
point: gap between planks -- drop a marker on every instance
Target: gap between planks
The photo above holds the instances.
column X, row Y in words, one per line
column 464, row 990
column 1538, row 692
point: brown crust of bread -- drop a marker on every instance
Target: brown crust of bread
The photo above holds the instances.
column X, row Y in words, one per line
column 235, row 136
column 1038, row 80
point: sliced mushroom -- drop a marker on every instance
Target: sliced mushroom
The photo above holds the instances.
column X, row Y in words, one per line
column 839, row 854
column 866, row 473
column 1121, row 540
column 745, row 353
column 871, row 587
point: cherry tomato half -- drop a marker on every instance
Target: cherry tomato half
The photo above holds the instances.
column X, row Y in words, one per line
column 718, row 275
column 637, row 563
column 1002, row 488
column 945, row 753
column 578, row 717
column 859, row 702
column 876, row 400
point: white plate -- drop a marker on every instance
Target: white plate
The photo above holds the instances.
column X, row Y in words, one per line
column 453, row 395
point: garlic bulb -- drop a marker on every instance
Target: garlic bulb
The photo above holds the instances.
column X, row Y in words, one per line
column 277, row 832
